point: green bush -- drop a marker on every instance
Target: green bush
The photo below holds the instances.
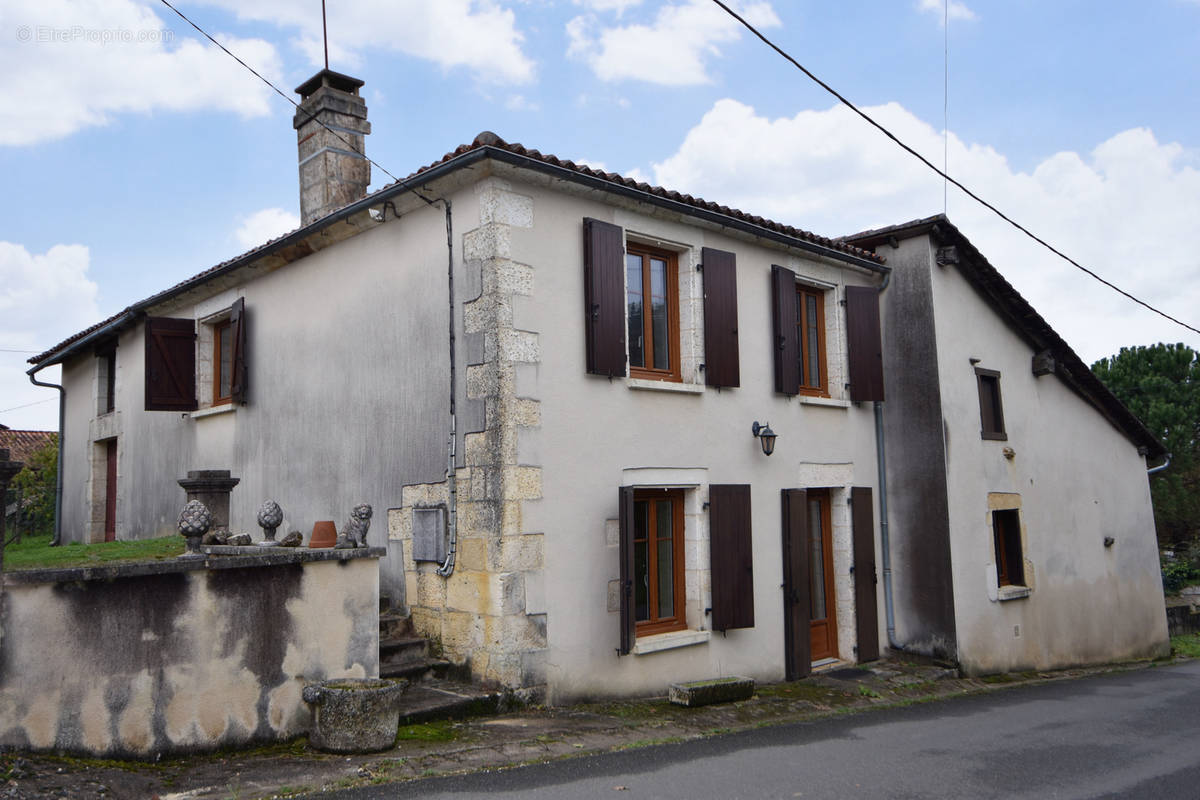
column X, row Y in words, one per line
column 1182, row 569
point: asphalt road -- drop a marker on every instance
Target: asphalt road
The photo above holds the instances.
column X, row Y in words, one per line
column 1134, row 734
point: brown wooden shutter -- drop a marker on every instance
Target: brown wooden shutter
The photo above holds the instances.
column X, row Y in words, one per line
column 786, row 340
column 732, row 557
column 237, row 321
column 170, row 364
column 625, row 586
column 866, row 610
column 720, row 318
column 864, row 343
column 797, row 585
column 604, row 295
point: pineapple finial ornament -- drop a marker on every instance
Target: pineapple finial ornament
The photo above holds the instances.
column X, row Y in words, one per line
column 194, row 521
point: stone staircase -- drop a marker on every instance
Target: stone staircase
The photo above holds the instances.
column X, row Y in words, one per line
column 437, row 689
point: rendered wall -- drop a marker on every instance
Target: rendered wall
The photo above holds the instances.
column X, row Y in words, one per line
column 919, row 529
column 1078, row 479
column 348, row 385
column 575, row 438
column 113, row 662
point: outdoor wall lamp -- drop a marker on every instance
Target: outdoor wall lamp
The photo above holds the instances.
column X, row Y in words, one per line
column 766, row 437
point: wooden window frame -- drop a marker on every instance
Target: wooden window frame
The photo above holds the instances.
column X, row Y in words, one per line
column 674, row 373
column 985, row 380
column 678, row 621
column 802, row 291
column 1007, row 545
column 219, row 328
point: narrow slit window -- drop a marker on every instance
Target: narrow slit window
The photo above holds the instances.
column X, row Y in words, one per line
column 991, row 409
column 1006, row 535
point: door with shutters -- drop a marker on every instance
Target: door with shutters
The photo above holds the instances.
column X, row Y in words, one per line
column 797, row 660
column 822, row 600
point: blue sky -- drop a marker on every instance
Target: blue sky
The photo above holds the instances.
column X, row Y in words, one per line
column 136, row 155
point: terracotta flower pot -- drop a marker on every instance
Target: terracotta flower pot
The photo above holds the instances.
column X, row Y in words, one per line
column 324, row 534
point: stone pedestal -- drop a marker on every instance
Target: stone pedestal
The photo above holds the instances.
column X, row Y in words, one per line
column 211, row 487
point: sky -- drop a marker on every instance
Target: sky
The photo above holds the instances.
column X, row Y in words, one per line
column 136, row 154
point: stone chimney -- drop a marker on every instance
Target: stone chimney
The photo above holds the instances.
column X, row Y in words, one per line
column 334, row 169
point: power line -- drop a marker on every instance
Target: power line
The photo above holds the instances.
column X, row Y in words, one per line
column 27, row 405
column 30, row 352
column 946, row 177
column 281, row 93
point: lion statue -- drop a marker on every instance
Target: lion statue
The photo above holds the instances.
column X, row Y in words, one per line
column 355, row 532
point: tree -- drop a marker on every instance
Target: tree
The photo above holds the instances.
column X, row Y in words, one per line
column 35, row 485
column 1161, row 385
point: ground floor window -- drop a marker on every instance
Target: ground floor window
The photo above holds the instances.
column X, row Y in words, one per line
column 658, row 576
column 1006, row 535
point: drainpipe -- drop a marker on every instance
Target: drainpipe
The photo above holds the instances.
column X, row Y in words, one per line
column 447, row 568
column 62, row 408
column 1160, row 467
column 884, row 541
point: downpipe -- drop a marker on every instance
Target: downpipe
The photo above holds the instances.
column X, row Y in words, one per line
column 447, row 567
column 889, row 607
column 1160, row 467
column 58, row 483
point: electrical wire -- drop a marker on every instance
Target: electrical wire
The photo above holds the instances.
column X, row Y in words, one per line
column 31, row 352
column 946, row 177
column 27, row 405
column 281, row 93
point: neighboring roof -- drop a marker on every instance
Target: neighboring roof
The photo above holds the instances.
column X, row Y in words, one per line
column 23, row 444
column 489, row 145
column 1010, row 305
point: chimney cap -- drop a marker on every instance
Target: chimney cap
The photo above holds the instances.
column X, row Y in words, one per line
column 327, row 77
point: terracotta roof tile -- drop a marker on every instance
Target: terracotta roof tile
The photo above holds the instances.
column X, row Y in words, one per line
column 23, row 444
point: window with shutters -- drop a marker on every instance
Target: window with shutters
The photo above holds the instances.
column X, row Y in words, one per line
column 658, row 577
column 991, row 410
column 810, row 333
column 221, row 358
column 652, row 312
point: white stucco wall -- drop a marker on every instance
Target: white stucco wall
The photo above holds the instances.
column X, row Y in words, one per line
column 1079, row 480
column 348, row 380
column 592, row 430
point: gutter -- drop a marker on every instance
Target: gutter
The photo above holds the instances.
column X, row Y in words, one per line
column 1160, row 467
column 58, row 481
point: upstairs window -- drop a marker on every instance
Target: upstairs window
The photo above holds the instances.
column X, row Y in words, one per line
column 810, row 332
column 106, row 363
column 991, row 410
column 222, row 362
column 652, row 313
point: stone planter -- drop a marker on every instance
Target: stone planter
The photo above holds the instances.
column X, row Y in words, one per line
column 354, row 715
column 705, row 693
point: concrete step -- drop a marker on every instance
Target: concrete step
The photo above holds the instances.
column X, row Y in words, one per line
column 447, row 700
column 416, row 670
column 402, row 649
column 393, row 624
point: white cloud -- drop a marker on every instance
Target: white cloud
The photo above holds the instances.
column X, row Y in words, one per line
column 519, row 102
column 670, row 51
column 618, row 6
column 477, row 34
column 956, row 10
column 79, row 64
column 262, row 226
column 44, row 298
column 1118, row 209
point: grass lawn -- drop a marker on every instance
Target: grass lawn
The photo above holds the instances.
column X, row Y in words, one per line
column 35, row 552
column 1186, row 645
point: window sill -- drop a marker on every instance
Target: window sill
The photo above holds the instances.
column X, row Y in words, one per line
column 831, row 402
column 224, row 408
column 669, row 641
column 1012, row 593
column 665, row 386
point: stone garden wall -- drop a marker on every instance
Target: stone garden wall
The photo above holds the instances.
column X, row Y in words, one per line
column 183, row 656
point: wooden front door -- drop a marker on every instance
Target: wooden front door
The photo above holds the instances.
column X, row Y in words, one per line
column 822, row 600
column 110, row 491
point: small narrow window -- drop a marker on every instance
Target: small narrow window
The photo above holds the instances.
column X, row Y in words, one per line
column 107, row 365
column 810, row 325
column 1006, row 533
column 991, row 410
column 222, row 362
column 658, row 582
column 652, row 313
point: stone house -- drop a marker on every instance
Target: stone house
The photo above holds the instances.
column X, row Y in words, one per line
column 1029, row 543
column 561, row 390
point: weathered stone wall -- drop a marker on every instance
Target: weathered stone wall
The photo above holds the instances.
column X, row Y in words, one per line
column 489, row 613
column 141, row 660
